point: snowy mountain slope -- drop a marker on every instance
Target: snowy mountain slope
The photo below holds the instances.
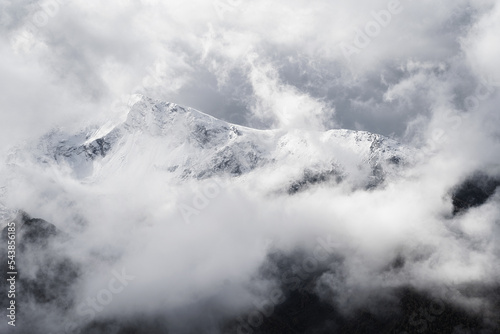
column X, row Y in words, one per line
column 185, row 143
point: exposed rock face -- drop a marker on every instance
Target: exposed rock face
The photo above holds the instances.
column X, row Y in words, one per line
column 473, row 192
column 44, row 276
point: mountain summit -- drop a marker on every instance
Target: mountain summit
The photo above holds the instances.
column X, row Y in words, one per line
column 186, row 143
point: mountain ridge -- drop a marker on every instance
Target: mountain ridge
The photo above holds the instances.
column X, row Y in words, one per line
column 187, row 143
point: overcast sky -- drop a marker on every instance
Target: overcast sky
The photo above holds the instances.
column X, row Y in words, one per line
column 252, row 63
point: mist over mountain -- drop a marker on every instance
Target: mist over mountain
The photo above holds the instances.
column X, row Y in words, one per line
column 315, row 231
column 250, row 167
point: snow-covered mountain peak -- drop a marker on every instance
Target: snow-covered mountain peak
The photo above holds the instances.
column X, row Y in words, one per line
column 182, row 143
column 159, row 117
